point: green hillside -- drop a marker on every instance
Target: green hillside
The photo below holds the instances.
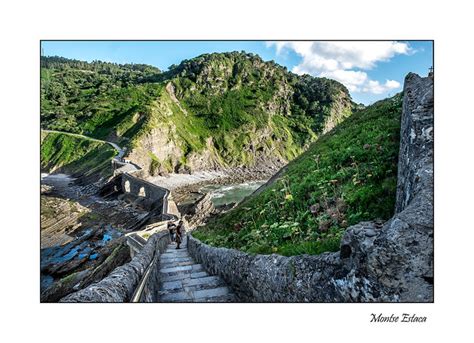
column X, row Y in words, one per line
column 97, row 99
column 226, row 110
column 347, row 176
column 75, row 155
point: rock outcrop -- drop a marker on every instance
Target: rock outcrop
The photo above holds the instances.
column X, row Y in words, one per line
column 382, row 262
column 201, row 210
column 415, row 168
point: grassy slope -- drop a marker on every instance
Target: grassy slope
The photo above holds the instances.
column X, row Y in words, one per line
column 72, row 155
column 347, row 176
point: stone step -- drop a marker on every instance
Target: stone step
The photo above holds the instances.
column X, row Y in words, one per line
column 169, row 286
column 206, row 295
column 204, row 282
column 176, row 263
column 195, row 284
column 184, row 280
column 173, row 249
column 165, row 263
column 175, row 258
column 176, row 297
column 182, row 276
column 220, row 299
column 210, row 293
column 175, row 253
column 182, row 247
column 182, row 269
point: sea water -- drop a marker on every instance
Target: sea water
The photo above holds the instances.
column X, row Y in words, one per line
column 227, row 194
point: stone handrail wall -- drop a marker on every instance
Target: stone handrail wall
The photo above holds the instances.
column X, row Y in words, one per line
column 380, row 263
column 151, row 281
column 135, row 243
column 269, row 278
column 121, row 283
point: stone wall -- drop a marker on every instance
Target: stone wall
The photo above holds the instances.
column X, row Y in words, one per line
column 152, row 192
column 150, row 196
column 380, row 263
column 270, row 278
column 151, row 286
column 121, row 283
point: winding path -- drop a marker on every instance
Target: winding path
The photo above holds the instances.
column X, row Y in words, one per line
column 120, row 151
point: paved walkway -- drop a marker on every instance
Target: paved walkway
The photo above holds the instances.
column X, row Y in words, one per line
column 183, row 280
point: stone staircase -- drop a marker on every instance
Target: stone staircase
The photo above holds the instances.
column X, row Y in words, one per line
column 183, row 280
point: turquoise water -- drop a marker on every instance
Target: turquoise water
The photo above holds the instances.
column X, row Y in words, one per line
column 223, row 195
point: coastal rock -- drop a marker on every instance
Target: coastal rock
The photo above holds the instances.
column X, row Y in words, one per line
column 202, row 209
column 80, row 279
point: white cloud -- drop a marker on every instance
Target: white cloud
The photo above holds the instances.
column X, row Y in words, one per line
column 345, row 61
column 375, row 87
column 352, row 79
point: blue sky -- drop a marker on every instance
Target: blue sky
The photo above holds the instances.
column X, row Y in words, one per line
column 370, row 70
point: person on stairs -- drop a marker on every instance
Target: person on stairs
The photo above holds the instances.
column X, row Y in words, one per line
column 179, row 234
column 171, row 229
